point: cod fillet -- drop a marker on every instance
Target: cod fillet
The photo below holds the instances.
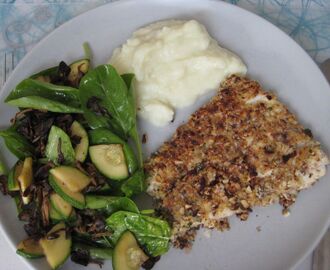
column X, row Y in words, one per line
column 242, row 149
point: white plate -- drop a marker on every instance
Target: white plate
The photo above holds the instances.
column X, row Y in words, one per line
column 273, row 59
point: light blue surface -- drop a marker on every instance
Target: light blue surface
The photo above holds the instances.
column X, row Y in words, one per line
column 25, row 22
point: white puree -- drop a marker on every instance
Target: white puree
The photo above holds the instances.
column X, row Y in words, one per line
column 175, row 62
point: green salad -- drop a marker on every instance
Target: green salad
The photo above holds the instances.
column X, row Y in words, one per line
column 79, row 166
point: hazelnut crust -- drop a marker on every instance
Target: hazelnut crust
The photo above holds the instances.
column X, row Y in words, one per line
column 242, row 149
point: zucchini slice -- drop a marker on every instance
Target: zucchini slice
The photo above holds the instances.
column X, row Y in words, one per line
column 78, row 70
column 13, row 175
column 58, row 139
column 54, row 215
column 30, row 249
column 25, row 178
column 81, row 148
column 71, row 177
column 56, row 249
column 109, row 159
column 76, row 199
column 60, row 206
column 127, row 254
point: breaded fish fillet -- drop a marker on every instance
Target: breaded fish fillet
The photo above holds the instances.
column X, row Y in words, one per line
column 242, row 149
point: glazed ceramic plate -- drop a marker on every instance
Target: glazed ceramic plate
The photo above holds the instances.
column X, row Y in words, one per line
column 268, row 240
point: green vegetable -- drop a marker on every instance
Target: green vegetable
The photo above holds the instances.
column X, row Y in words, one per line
column 127, row 254
column 17, row 143
column 18, row 204
column 106, row 84
column 105, row 136
column 152, row 233
column 40, row 103
column 25, row 178
column 13, row 175
column 3, row 168
column 74, row 179
column 135, row 184
column 76, row 199
column 81, row 148
column 87, row 51
column 105, row 190
column 147, row 211
column 110, row 204
column 94, row 252
column 60, row 206
column 55, row 216
column 56, row 250
column 45, row 75
column 30, row 249
column 36, row 94
column 88, row 239
column 59, row 146
column 109, row 159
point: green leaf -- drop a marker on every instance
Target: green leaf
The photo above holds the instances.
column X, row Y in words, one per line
column 3, row 168
column 135, row 136
column 87, row 51
column 40, row 103
column 17, row 143
column 108, row 89
column 59, row 142
column 36, row 92
column 152, row 233
column 49, row 72
column 135, row 184
column 105, row 136
column 133, row 133
column 110, row 204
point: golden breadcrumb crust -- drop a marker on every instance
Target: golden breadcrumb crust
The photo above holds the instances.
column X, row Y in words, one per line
column 242, row 149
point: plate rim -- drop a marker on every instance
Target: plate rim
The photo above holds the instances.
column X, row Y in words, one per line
column 297, row 259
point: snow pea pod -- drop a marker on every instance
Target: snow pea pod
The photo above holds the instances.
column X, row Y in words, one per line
column 105, row 136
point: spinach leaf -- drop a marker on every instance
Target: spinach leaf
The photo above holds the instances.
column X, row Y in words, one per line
column 17, row 143
column 152, row 233
column 36, row 94
column 40, row 103
column 110, row 204
column 47, row 73
column 107, row 89
column 105, row 136
column 135, row 184
column 59, row 148
column 133, row 133
column 3, row 168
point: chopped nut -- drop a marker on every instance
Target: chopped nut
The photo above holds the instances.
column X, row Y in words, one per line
column 248, row 189
column 245, row 204
column 286, row 212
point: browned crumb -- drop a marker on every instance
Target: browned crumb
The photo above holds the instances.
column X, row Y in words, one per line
column 242, row 149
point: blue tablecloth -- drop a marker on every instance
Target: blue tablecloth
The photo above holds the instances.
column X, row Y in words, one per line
column 23, row 23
